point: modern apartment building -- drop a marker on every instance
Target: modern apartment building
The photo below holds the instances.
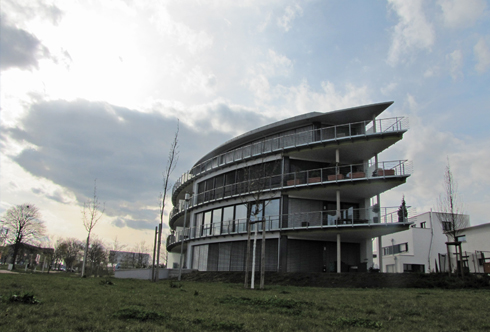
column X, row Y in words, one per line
column 312, row 182
column 422, row 248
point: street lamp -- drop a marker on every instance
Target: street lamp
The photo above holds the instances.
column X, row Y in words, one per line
column 186, row 201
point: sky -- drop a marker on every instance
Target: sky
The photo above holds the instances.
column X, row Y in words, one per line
column 96, row 89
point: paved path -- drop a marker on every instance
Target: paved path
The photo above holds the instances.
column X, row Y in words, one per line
column 7, row 271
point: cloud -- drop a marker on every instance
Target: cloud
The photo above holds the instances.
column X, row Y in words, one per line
column 19, row 48
column 23, row 10
column 135, row 224
column 482, row 54
column 71, row 143
column 274, row 65
column 412, row 32
column 428, row 146
column 456, row 63
column 458, row 14
column 194, row 41
column 302, row 98
column 290, row 13
column 198, row 81
column 387, row 90
column 220, row 116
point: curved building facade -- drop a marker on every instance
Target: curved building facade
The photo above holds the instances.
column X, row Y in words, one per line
column 312, row 183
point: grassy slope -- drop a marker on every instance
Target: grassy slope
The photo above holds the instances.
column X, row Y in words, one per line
column 69, row 303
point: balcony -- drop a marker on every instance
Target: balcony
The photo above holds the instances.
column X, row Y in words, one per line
column 304, row 179
column 314, row 221
column 272, row 145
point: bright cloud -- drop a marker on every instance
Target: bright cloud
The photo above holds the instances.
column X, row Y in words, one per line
column 458, row 14
column 290, row 13
column 413, row 31
column 482, row 54
column 456, row 63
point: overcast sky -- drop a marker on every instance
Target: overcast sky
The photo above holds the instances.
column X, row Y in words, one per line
column 93, row 90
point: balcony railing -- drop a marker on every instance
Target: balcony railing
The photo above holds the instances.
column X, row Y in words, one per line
column 344, row 173
column 265, row 146
column 298, row 221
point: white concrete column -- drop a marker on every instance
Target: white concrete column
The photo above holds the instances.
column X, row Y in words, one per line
column 338, row 254
column 338, row 206
column 380, row 254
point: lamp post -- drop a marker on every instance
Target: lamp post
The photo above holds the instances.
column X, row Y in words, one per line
column 186, row 201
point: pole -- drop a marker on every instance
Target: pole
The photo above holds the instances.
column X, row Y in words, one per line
column 183, row 232
column 154, row 253
column 157, row 268
column 262, row 257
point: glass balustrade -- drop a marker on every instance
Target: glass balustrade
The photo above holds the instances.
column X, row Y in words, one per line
column 296, row 221
column 343, row 173
column 292, row 141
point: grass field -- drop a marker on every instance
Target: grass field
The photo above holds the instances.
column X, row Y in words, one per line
column 69, row 303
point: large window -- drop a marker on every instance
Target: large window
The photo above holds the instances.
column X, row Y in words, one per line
column 241, row 217
column 240, row 181
column 228, row 218
column 272, row 214
column 207, row 222
column 395, row 249
column 233, row 219
column 217, row 221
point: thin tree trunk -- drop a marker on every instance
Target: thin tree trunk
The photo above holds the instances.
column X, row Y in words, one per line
column 262, row 261
column 247, row 260
column 449, row 259
column 85, row 255
column 14, row 256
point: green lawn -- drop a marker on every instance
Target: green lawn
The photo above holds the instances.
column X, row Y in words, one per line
column 69, row 303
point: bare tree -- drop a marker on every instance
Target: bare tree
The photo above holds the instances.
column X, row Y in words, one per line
column 173, row 157
column 24, row 225
column 453, row 218
column 259, row 182
column 91, row 213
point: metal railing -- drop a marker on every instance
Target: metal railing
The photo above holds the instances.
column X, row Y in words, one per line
column 265, row 146
column 297, row 221
column 343, row 173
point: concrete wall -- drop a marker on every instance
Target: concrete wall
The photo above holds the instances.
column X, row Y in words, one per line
column 144, row 274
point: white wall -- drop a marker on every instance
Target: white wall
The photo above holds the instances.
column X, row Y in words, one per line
column 424, row 244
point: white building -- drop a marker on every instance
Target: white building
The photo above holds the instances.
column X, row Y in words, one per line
column 475, row 245
column 422, row 248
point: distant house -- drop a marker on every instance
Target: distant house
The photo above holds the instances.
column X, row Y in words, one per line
column 128, row 260
column 475, row 245
column 422, row 248
column 28, row 254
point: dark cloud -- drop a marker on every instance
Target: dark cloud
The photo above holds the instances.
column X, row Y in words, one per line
column 235, row 119
column 136, row 224
column 125, row 150
column 19, row 48
column 56, row 196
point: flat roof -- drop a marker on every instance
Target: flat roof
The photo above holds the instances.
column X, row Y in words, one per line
column 348, row 115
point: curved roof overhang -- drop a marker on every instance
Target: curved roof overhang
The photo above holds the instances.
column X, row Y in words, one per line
column 348, row 115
